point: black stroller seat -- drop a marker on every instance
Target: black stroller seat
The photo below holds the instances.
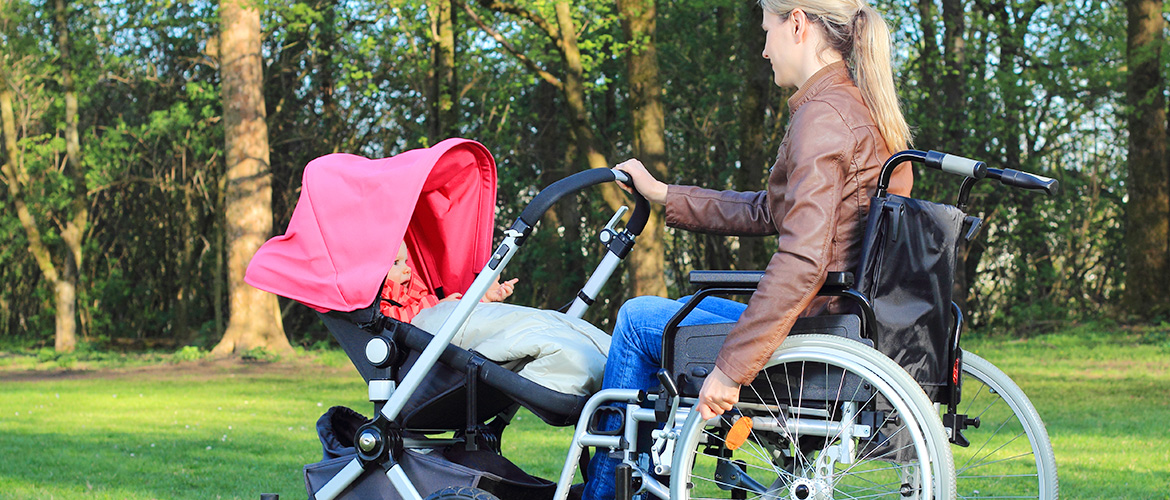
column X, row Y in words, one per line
column 442, row 402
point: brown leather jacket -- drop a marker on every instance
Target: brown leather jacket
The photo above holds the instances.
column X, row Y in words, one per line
column 817, row 200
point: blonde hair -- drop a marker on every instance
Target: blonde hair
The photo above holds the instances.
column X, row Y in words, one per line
column 860, row 35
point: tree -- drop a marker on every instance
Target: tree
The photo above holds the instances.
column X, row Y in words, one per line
column 754, row 156
column 76, row 223
column 254, row 320
column 640, row 23
column 444, row 92
column 560, row 30
column 1147, row 215
column 69, row 214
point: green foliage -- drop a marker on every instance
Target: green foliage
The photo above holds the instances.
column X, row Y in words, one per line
column 357, row 77
column 260, row 355
column 189, row 353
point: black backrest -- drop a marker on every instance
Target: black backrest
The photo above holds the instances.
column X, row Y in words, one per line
column 907, row 271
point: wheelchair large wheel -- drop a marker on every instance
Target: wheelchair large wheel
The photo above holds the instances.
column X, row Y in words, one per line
column 1010, row 455
column 831, row 418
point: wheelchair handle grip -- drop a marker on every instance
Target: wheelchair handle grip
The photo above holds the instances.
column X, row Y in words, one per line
column 1025, row 180
column 966, row 167
column 955, row 164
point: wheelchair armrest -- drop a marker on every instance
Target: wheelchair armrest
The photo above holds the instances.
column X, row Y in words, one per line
column 738, row 279
column 839, row 279
column 725, row 279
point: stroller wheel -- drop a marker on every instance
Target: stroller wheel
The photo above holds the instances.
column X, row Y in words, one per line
column 461, row 493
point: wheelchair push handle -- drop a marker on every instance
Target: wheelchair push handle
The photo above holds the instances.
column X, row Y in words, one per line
column 955, row 164
column 973, row 170
column 1025, row 180
column 581, row 180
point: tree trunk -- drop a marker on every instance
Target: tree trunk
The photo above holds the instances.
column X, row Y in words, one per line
column 927, row 73
column 444, row 84
column 1147, row 214
column 75, row 223
column 638, row 21
column 14, row 178
column 754, row 157
column 564, row 33
column 254, row 316
column 953, row 124
column 954, row 74
column 326, row 63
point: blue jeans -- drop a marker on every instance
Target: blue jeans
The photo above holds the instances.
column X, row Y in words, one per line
column 635, row 355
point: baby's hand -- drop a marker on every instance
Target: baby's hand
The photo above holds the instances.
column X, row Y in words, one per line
column 500, row 291
column 451, row 298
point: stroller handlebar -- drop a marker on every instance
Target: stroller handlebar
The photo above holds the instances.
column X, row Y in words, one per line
column 581, row 180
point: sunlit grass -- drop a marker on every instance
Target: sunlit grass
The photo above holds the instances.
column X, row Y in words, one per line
column 199, row 430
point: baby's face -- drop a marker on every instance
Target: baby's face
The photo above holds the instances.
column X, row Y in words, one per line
column 399, row 272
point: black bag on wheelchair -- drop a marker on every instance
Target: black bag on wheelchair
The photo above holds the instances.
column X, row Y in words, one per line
column 907, row 270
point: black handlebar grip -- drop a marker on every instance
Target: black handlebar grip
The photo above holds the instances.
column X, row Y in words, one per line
column 559, row 189
column 1033, row 182
column 576, row 182
column 641, row 206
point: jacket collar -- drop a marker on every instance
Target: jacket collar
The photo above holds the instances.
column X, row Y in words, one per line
column 833, row 74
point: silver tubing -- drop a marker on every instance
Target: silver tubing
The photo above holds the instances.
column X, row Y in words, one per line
column 402, row 483
column 810, row 427
column 647, row 414
column 340, row 482
column 580, row 434
column 592, row 287
column 451, row 326
column 656, row 488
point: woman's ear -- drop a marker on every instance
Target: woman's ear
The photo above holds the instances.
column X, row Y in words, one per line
column 799, row 24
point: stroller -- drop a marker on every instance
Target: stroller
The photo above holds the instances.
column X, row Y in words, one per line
column 352, row 213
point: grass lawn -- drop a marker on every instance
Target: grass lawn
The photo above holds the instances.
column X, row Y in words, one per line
column 204, row 430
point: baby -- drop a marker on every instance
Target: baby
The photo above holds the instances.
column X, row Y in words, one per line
column 560, row 352
column 402, row 297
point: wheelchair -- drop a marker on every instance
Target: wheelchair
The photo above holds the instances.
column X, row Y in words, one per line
column 831, row 416
column 834, row 414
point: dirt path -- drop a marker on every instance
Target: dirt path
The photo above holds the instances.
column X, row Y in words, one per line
column 188, row 370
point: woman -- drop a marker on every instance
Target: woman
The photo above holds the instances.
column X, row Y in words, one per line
column 845, row 121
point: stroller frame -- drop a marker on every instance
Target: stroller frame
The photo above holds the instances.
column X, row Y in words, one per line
column 844, row 427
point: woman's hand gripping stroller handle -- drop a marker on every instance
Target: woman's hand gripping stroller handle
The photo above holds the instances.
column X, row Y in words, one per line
column 581, row 180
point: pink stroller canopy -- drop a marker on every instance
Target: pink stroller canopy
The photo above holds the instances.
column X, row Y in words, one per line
column 354, row 212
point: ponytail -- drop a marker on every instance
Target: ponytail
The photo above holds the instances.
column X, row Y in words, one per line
column 875, row 78
column 860, row 35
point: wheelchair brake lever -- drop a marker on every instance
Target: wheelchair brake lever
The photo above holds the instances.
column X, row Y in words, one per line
column 667, row 383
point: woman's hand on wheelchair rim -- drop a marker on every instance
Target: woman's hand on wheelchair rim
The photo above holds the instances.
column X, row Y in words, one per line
column 718, row 394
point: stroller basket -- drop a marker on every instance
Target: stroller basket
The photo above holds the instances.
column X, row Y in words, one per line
column 431, row 471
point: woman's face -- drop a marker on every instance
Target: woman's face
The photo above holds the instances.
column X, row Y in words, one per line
column 780, row 48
